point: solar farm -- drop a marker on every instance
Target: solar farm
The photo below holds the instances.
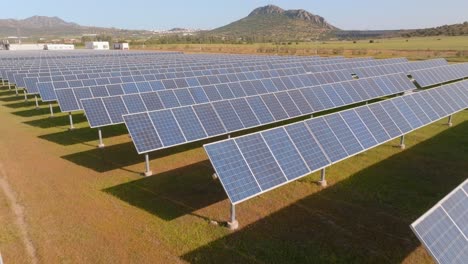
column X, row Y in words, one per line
column 237, row 158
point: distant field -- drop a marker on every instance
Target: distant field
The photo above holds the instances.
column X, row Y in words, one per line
column 87, row 205
column 453, row 48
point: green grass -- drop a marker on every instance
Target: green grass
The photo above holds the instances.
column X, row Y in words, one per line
column 362, row 217
column 453, row 48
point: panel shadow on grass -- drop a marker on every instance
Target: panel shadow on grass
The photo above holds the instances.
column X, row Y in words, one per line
column 363, row 219
column 122, row 155
column 85, row 134
column 172, row 194
column 37, row 112
column 57, row 121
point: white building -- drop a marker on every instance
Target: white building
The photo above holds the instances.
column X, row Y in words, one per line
column 26, row 47
column 121, row 46
column 59, row 47
column 97, row 45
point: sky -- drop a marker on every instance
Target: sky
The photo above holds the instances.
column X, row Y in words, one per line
column 209, row 14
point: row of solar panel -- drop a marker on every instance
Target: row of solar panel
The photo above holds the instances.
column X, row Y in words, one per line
column 444, row 228
column 49, row 94
column 433, row 76
column 250, row 165
column 30, row 80
column 24, row 80
column 166, row 128
column 401, row 67
column 289, row 77
column 165, row 67
column 42, row 56
column 278, row 66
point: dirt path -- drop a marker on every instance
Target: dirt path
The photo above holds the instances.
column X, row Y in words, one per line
column 19, row 215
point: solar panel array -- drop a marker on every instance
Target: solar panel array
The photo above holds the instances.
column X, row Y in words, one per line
column 433, row 76
column 160, row 129
column 254, row 82
column 444, row 228
column 250, row 165
column 406, row 67
column 47, row 90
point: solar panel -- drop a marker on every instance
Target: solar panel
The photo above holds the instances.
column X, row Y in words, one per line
column 443, row 230
column 280, row 155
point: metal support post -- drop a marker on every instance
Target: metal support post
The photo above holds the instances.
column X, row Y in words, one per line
column 71, row 121
column 25, row 95
column 402, row 142
column 323, row 180
column 37, row 102
column 233, row 224
column 101, row 144
column 16, row 90
column 9, row 86
column 450, row 118
column 229, row 136
column 148, row 172
column 51, row 111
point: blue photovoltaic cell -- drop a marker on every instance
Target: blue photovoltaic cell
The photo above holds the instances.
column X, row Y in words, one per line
column 134, row 103
column 199, row 95
column 116, row 108
column 224, row 91
column 228, row 116
column 67, row 100
column 143, row 133
column 301, row 102
column 406, row 111
column 384, row 119
column 327, row 139
column 260, row 109
column 427, row 108
column 274, row 106
column 344, row 134
column 285, row 153
column 456, row 207
column 81, row 93
column 418, row 111
column 234, row 174
column 396, row 116
column 152, row 101
column 184, row 97
column 330, row 91
column 443, row 229
column 441, row 112
column 445, row 100
column 168, row 99
column 237, row 90
column 129, row 88
column 115, row 89
column 288, row 104
column 209, row 119
column 167, row 127
column 341, row 91
column 359, row 129
column 307, row 146
column 323, row 97
column 260, row 160
column 189, row 123
column 352, row 93
column 47, row 92
column 96, row 112
column 360, row 90
column 99, row 91
column 373, row 124
column 312, row 99
column 212, row 93
column 144, row 87
column 245, row 113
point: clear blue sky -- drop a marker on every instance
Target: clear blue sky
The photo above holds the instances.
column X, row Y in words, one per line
column 206, row 14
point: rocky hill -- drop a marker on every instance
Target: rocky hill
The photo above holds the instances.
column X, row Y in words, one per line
column 275, row 23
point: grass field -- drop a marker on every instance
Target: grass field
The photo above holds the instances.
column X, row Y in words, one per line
column 453, row 48
column 87, row 205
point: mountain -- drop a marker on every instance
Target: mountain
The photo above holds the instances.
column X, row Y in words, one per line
column 446, row 30
column 274, row 23
column 43, row 26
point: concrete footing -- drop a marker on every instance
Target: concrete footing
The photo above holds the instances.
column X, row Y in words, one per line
column 402, row 146
column 322, row 183
column 148, row 173
column 214, row 176
column 101, row 145
column 233, row 225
